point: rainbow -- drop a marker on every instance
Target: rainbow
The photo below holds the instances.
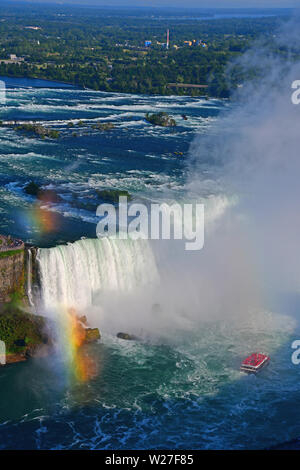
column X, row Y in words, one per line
column 81, row 366
column 39, row 219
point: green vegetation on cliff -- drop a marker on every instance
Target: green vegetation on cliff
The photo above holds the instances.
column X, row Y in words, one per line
column 7, row 254
column 26, row 335
column 21, row 332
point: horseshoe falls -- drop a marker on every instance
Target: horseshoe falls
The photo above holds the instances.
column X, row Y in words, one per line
column 72, row 275
column 196, row 315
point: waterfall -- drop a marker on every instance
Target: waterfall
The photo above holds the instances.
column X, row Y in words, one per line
column 29, row 277
column 73, row 274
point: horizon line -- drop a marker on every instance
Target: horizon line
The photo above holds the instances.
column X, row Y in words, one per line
column 63, row 3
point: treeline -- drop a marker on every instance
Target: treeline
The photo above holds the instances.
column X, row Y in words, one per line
column 104, row 50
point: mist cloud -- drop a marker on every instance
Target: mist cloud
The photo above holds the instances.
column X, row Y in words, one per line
column 256, row 151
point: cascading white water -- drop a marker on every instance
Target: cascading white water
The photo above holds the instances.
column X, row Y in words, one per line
column 29, row 277
column 73, row 274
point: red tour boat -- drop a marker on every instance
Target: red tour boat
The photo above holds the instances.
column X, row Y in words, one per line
column 254, row 363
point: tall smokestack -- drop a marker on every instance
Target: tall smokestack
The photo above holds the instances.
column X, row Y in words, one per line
column 168, row 38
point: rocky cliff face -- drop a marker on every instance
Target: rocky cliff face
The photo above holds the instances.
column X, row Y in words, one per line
column 11, row 273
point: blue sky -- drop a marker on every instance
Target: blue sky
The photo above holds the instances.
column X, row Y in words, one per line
column 185, row 3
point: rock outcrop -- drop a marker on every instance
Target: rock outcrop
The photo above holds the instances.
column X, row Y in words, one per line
column 25, row 335
column 160, row 119
column 92, row 335
column 127, row 337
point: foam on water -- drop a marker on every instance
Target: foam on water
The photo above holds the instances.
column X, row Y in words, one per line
column 178, row 393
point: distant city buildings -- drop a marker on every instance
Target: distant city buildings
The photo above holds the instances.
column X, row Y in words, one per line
column 13, row 59
column 149, row 43
column 195, row 42
column 166, row 45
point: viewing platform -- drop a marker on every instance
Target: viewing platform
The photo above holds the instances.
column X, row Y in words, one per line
column 9, row 244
